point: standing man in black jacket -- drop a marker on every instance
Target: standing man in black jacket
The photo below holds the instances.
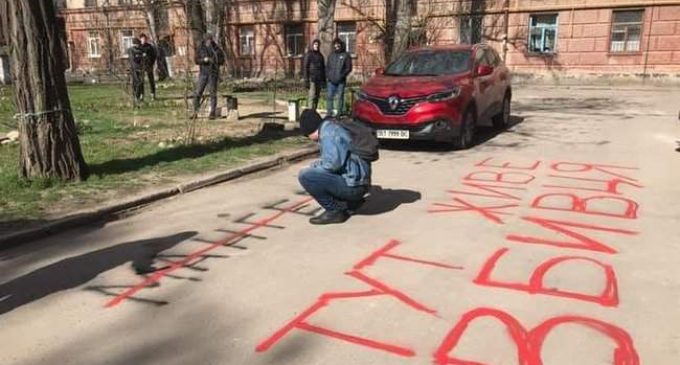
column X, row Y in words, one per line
column 136, row 59
column 339, row 66
column 209, row 57
column 314, row 70
column 149, row 54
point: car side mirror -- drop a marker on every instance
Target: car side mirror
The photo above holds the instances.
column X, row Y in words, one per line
column 379, row 70
column 484, row 70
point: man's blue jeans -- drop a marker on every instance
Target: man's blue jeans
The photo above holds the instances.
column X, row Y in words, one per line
column 333, row 91
column 330, row 190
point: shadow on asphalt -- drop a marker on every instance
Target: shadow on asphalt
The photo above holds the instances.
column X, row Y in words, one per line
column 382, row 200
column 78, row 270
column 483, row 135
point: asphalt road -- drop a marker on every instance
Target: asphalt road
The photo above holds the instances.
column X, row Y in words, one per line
column 555, row 242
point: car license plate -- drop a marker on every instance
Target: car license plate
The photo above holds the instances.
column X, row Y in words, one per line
column 392, row 134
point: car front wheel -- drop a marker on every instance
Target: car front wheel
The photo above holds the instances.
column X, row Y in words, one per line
column 467, row 131
column 502, row 119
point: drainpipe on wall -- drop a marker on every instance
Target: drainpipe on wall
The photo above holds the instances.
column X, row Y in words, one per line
column 649, row 37
column 507, row 30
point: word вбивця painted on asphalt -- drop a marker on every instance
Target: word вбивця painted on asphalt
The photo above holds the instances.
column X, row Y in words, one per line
column 574, row 188
column 493, row 193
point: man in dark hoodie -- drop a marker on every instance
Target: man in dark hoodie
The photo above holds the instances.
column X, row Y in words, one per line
column 209, row 57
column 314, row 71
column 338, row 67
column 149, row 55
column 136, row 59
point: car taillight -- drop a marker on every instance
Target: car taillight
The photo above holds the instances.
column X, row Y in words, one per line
column 444, row 96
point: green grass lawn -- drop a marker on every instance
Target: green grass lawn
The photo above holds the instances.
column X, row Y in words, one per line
column 121, row 146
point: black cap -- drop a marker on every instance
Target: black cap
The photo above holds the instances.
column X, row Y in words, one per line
column 310, row 121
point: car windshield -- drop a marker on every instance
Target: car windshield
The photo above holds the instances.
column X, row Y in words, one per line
column 430, row 63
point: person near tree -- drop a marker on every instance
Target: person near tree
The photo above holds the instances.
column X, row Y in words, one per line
column 338, row 67
column 136, row 59
column 314, row 70
column 149, row 54
column 209, row 57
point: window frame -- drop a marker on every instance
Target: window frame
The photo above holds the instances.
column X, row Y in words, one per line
column 544, row 28
column 123, row 37
column 346, row 34
column 299, row 34
column 613, row 24
column 250, row 36
column 93, row 36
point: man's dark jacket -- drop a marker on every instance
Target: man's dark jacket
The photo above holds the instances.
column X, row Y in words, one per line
column 314, row 68
column 339, row 65
column 213, row 53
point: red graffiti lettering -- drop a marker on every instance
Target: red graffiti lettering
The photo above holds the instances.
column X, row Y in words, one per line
column 489, row 212
column 494, row 190
column 385, row 251
column 608, row 298
column 508, row 165
column 518, row 178
column 586, row 167
column 610, row 186
column 300, row 322
column 378, row 288
column 580, row 241
column 530, row 343
column 573, row 203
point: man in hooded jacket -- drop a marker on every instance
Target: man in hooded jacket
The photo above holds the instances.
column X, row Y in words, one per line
column 338, row 67
column 314, row 71
column 209, row 56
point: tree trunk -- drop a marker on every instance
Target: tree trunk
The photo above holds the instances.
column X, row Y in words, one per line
column 402, row 27
column 49, row 141
column 326, row 28
column 195, row 19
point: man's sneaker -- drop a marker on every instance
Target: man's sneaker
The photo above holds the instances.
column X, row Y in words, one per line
column 330, row 218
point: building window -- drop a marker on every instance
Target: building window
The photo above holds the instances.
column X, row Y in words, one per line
column 347, row 32
column 626, row 31
column 470, row 31
column 125, row 41
column 295, row 39
column 124, row 2
column 247, row 41
column 543, row 33
column 90, row 3
column 93, row 45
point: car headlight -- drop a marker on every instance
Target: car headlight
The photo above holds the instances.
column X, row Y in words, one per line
column 444, row 96
column 362, row 95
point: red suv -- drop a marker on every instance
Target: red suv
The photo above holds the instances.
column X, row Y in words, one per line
column 440, row 93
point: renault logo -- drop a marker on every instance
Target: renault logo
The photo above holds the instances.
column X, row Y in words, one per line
column 393, row 101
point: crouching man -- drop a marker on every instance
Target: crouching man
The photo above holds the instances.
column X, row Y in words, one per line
column 340, row 179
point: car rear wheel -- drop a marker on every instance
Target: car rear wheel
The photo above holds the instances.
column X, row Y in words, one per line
column 502, row 119
column 467, row 131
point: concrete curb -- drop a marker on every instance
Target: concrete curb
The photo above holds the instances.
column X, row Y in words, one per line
column 117, row 210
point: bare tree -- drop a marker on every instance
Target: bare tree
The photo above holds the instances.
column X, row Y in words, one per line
column 49, row 142
column 326, row 25
column 393, row 24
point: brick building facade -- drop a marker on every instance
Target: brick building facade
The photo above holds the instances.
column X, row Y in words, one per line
column 556, row 37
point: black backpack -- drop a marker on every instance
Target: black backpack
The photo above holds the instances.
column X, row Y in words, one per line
column 364, row 142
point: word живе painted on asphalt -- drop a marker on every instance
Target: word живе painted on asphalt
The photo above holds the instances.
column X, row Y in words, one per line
column 494, row 192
